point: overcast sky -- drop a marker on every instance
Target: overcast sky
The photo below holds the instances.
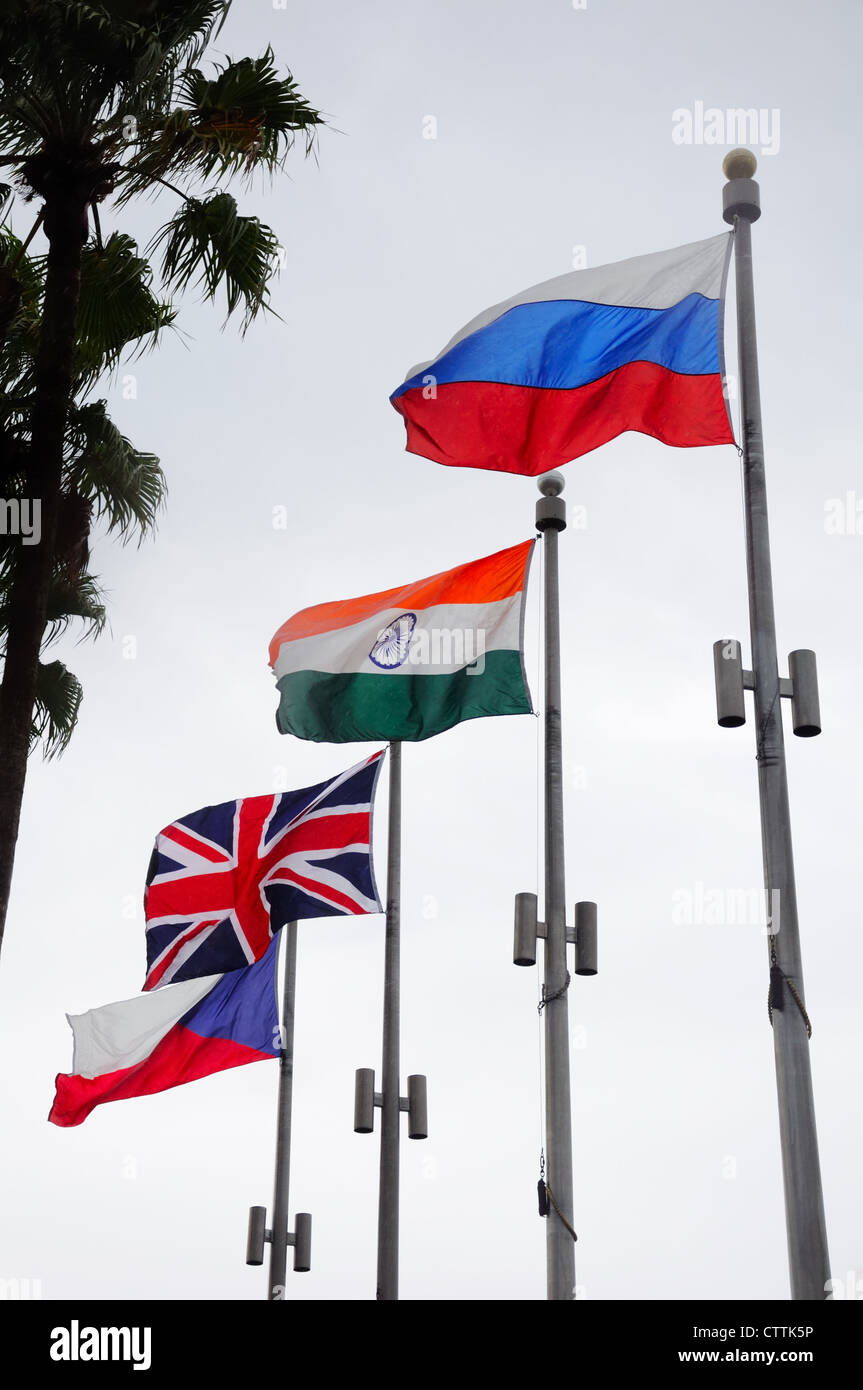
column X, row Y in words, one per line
column 553, row 128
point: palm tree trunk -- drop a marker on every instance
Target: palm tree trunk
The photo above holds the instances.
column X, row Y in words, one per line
column 66, row 228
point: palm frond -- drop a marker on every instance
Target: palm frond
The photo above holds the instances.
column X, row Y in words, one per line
column 21, row 292
column 70, row 596
column 78, row 597
column 69, row 68
column 117, row 307
column 209, row 243
column 126, row 487
column 58, row 701
column 249, row 113
column 245, row 117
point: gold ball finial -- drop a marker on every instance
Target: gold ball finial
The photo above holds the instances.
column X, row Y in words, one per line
column 739, row 164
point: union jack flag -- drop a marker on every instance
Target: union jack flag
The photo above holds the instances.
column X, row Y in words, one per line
column 222, row 880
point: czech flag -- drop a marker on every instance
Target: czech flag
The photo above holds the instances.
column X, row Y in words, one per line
column 174, row 1035
column 561, row 368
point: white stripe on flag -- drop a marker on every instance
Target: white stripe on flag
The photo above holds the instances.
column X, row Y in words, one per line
column 122, row 1034
column 654, row 281
column 445, row 639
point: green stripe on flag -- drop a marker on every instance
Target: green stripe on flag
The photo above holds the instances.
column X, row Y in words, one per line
column 356, row 708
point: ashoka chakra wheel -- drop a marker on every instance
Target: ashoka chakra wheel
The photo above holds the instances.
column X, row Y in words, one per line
column 393, row 644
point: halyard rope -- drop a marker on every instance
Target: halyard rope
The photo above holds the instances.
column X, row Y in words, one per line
column 548, row 999
column 774, row 993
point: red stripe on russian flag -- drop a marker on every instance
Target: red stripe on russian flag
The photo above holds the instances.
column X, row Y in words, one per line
column 529, row 430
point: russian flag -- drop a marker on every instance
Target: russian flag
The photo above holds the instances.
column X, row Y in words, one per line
column 562, row 368
column 171, row 1036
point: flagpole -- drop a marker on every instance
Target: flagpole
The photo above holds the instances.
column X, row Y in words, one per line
column 804, row 1203
column 279, row 1245
column 388, row 1195
column 279, row 1237
column 560, row 1254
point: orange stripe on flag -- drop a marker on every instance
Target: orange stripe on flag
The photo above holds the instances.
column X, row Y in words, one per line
column 495, row 577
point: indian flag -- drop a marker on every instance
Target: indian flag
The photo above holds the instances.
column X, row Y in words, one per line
column 410, row 662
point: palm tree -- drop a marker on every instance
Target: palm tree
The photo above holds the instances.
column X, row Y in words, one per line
column 104, row 476
column 105, row 101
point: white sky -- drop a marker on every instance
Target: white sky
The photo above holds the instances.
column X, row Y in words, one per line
column 553, row 131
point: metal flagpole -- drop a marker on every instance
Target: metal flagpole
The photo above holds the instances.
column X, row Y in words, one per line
column 555, row 1185
column 388, row 1196
column 280, row 1237
column 391, row 1103
column 804, row 1203
column 560, row 1254
column 279, row 1245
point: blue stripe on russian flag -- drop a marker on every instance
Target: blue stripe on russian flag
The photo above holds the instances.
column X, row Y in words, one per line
column 564, row 344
